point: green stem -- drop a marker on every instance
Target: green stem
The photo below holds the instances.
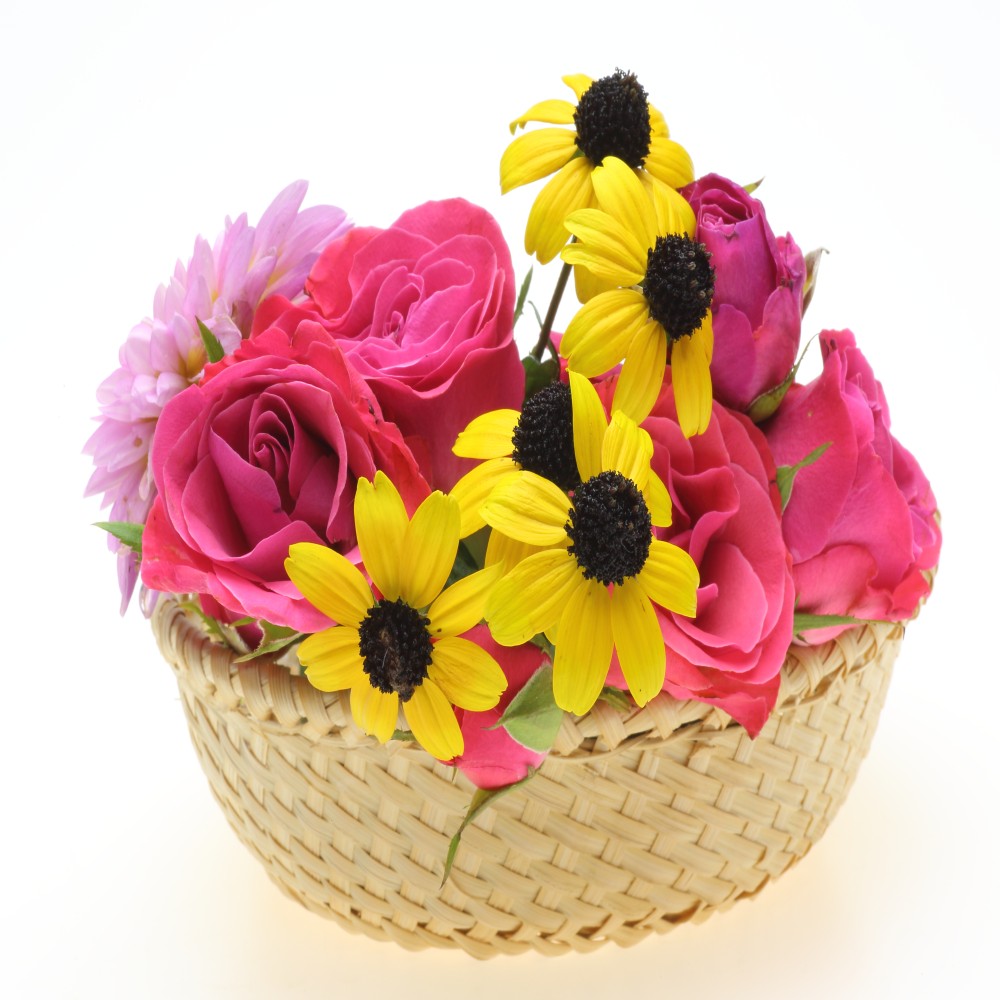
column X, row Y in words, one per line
column 550, row 317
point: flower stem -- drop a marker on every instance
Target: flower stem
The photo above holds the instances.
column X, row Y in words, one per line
column 550, row 317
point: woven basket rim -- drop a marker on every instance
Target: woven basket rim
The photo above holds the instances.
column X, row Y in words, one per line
column 275, row 697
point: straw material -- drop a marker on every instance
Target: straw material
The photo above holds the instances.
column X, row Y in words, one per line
column 633, row 824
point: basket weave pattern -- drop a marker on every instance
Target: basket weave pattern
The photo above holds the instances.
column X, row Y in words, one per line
column 633, row 823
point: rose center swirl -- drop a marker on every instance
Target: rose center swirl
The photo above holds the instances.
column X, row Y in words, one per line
column 396, row 647
column 679, row 284
column 610, row 528
column 612, row 119
column 543, row 436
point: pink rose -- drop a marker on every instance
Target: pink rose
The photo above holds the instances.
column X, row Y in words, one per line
column 264, row 452
column 860, row 523
column 492, row 758
column 726, row 514
column 757, row 306
column 424, row 310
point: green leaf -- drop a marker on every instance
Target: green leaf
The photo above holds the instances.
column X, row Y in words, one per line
column 127, row 533
column 802, row 622
column 786, row 473
column 522, row 295
column 533, row 718
column 274, row 638
column 750, row 188
column 538, row 374
column 403, row 734
column 213, row 349
column 616, row 699
column 812, row 271
column 480, row 800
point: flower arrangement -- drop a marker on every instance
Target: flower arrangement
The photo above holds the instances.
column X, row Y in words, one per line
column 325, row 443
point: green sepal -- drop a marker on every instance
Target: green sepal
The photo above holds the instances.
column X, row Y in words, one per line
column 403, row 734
column 480, row 800
column 787, row 473
column 538, row 374
column 533, row 718
column 812, row 271
column 522, row 296
column 125, row 531
column 767, row 402
column 213, row 349
column 803, row 622
column 616, row 698
column 751, row 187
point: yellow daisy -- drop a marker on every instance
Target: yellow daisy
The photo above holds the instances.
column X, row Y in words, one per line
column 402, row 647
column 660, row 309
column 601, row 569
column 539, row 439
column 611, row 117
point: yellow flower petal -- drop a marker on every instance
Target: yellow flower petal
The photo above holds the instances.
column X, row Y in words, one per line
column 463, row 604
column 627, row 449
column 528, row 507
column 638, row 641
column 374, row 712
column 642, row 374
column 583, row 653
column 429, row 549
column 658, row 501
column 673, row 213
column 535, row 155
column 502, row 550
column 551, row 112
column 692, row 384
column 531, row 597
column 606, row 247
column 380, row 521
column 600, row 333
column 589, row 425
column 332, row 659
column 471, row 491
column 467, row 675
column 620, row 193
column 488, row 436
column 669, row 162
column 432, row 720
column 670, row 578
column 329, row 582
column 567, row 192
column 588, row 284
column 579, row 83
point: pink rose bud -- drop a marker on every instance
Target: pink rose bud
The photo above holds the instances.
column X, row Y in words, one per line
column 757, row 306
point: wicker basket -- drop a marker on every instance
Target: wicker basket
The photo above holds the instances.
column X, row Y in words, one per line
column 633, row 824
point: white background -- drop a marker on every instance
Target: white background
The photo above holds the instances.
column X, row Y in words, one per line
column 129, row 128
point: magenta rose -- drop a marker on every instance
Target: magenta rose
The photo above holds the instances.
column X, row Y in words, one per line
column 266, row 451
column 492, row 758
column 726, row 514
column 860, row 524
column 424, row 310
column 757, row 306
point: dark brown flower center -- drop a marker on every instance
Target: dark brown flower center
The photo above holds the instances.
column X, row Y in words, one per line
column 610, row 528
column 396, row 647
column 679, row 284
column 612, row 119
column 543, row 437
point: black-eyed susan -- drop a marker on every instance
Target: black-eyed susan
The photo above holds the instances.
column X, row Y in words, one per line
column 611, row 117
column 639, row 240
column 404, row 646
column 600, row 570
